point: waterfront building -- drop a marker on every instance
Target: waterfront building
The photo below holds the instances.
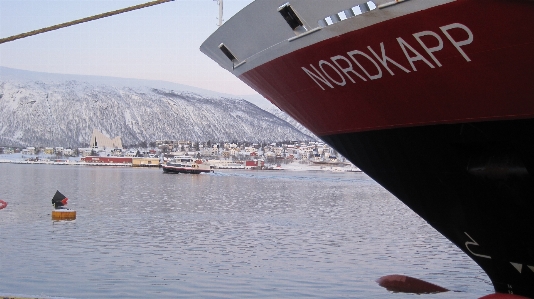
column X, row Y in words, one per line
column 30, row 150
column 115, row 160
column 145, row 162
column 99, row 141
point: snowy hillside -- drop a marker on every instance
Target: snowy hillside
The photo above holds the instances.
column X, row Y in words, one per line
column 264, row 104
column 62, row 110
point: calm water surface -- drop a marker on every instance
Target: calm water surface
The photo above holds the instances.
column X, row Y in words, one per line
column 232, row 234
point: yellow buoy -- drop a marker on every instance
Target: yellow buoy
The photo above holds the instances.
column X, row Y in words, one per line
column 63, row 215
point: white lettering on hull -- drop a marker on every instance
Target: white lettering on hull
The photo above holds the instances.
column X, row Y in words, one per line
column 474, row 243
column 343, row 66
column 317, row 76
column 427, row 49
column 347, row 69
column 322, row 63
column 458, row 44
column 384, row 60
column 412, row 59
column 352, row 55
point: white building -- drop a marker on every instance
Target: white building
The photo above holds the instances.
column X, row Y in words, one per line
column 30, row 150
column 102, row 142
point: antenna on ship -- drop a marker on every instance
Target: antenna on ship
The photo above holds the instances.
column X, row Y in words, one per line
column 220, row 3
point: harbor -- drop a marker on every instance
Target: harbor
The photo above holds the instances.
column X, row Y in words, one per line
column 421, row 183
column 292, row 156
column 217, row 164
column 228, row 234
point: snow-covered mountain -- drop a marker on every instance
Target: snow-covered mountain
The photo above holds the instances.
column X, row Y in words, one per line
column 40, row 109
column 264, row 104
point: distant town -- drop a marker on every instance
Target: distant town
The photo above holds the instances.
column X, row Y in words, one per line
column 222, row 155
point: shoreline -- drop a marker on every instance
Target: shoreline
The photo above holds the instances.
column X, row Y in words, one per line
column 75, row 161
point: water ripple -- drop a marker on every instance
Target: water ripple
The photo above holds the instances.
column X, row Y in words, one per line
column 232, row 234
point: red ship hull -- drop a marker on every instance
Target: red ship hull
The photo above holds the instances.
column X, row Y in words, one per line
column 496, row 84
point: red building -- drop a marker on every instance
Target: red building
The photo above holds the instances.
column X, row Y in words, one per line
column 254, row 164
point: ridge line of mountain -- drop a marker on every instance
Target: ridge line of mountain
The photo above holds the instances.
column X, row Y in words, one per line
column 40, row 109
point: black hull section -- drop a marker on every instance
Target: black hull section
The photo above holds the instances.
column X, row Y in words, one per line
column 187, row 171
column 473, row 182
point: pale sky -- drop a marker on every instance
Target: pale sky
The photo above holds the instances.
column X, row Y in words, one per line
column 158, row 43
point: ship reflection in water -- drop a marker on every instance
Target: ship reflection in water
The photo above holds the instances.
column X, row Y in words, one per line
column 230, row 234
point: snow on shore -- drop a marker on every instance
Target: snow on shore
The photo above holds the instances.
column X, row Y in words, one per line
column 294, row 166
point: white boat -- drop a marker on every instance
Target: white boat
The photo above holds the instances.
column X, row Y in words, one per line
column 185, row 164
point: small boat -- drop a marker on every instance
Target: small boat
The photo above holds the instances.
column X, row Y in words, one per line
column 185, row 164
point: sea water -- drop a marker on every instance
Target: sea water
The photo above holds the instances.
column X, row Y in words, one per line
column 140, row 233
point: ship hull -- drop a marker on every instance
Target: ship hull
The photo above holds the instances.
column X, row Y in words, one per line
column 182, row 169
column 434, row 103
column 488, row 78
column 472, row 182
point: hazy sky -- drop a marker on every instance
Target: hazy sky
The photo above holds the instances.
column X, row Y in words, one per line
column 159, row 42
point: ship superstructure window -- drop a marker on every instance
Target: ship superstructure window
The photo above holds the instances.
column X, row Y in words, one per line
column 231, row 56
column 347, row 14
column 227, row 52
column 290, row 16
column 295, row 22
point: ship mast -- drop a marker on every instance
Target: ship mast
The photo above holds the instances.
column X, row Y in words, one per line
column 220, row 3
